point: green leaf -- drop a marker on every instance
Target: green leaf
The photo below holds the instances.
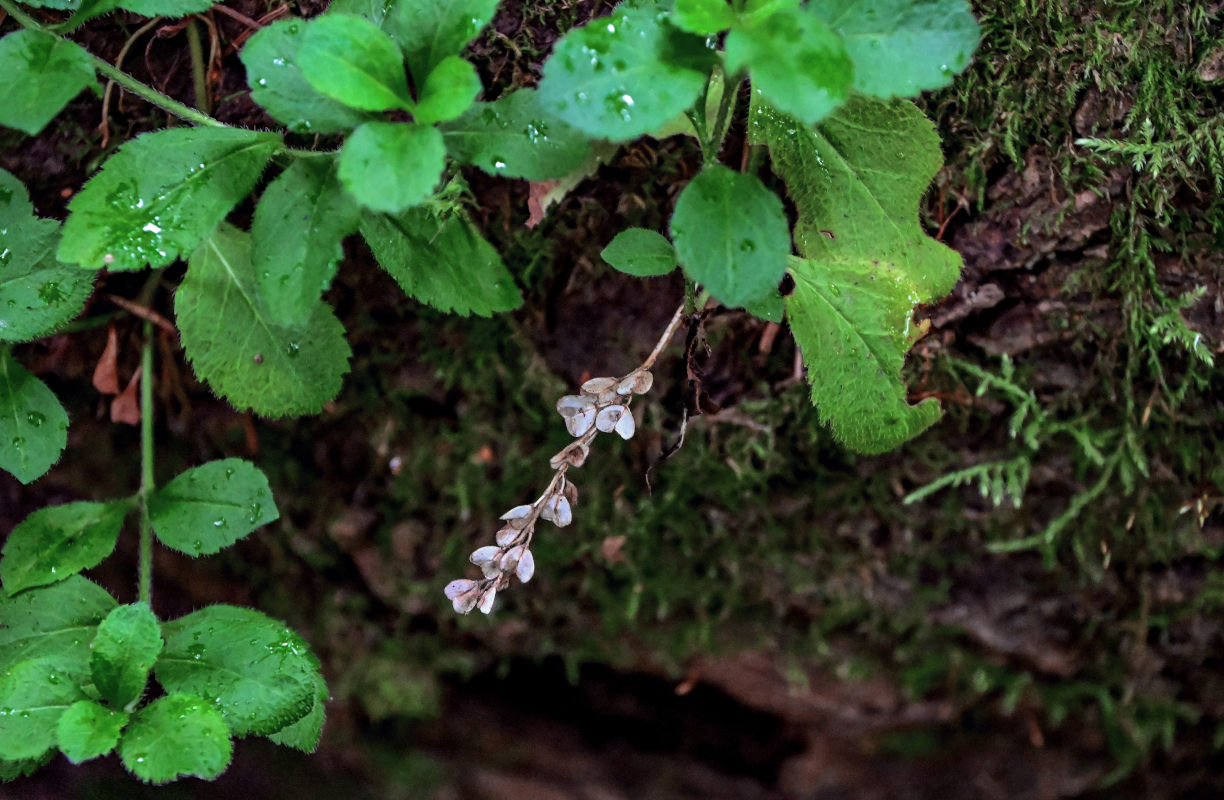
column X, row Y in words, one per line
column 351, row 60
column 58, row 541
column 621, row 76
column 39, row 74
column 59, row 620
column 87, row 730
column 258, row 672
column 640, row 252
column 33, row 695
column 856, row 181
column 854, row 326
column 450, row 89
column 771, row 309
column 731, row 235
column 235, row 345
column 390, row 166
column 794, row 60
column 161, row 195
column 166, row 8
column 430, row 30
column 703, row 16
column 442, row 261
column 516, row 137
column 124, row 649
column 757, row 10
column 901, row 47
column 304, row 734
column 33, row 424
column 273, row 67
column 173, row 736
column 300, row 222
column 37, row 293
column 20, row 768
column 212, row 506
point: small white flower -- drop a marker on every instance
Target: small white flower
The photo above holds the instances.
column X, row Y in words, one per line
column 526, row 567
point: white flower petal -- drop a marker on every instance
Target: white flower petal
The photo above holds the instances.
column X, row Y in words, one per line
column 625, row 426
column 526, row 567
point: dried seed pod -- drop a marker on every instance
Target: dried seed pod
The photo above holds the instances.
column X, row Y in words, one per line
column 571, row 493
column 557, row 510
column 510, row 560
column 578, row 412
column 486, row 558
column 636, row 382
column 507, row 535
column 608, row 417
column 517, row 516
column 574, row 454
column 462, row 594
column 597, row 386
column 625, row 426
column 485, row 603
column 526, row 567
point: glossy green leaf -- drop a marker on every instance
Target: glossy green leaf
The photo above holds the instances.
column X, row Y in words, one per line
column 274, row 72
column 174, row 736
column 166, row 8
column 300, row 222
column 33, row 424
column 640, row 252
column 901, row 47
column 442, row 261
column 703, row 16
column 624, row 75
column 351, row 60
column 39, row 74
column 212, row 506
column 771, row 309
column 161, row 195
column 795, row 61
column 853, row 325
column 450, row 89
column 255, row 670
column 391, row 166
column 124, row 649
column 20, row 768
column 37, row 293
column 430, row 30
column 731, row 235
column 857, row 181
column 58, row 541
column 516, row 136
column 245, row 355
column 33, row 695
column 87, row 730
column 59, row 620
column 304, row 734
column 757, row 10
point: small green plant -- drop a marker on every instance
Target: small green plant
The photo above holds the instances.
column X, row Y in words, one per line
column 380, row 112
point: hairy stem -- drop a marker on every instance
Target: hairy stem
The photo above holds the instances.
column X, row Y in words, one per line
column 146, row 465
column 199, row 71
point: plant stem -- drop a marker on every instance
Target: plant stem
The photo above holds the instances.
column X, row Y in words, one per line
column 199, row 72
column 146, row 465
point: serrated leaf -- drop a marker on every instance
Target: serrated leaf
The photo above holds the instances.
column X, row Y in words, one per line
column 161, row 195
column 33, row 695
column 516, row 136
column 853, row 326
column 124, row 649
column 166, row 8
column 235, row 345
column 795, row 61
column 624, row 75
column 87, row 730
column 20, row 768
column 757, row 10
column 902, row 47
column 173, row 736
column 640, row 252
column 731, row 235
column 430, row 30
column 257, row 671
column 353, row 61
column 442, row 261
column 212, row 506
column 39, row 74
column 33, row 424
column 304, row 734
column 449, row 90
column 59, row 620
column 391, row 166
column 300, row 222
column 58, row 541
column 274, row 71
column 703, row 16
column 37, row 293
column 856, row 181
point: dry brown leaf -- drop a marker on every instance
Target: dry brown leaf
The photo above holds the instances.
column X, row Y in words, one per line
column 126, row 407
column 106, row 374
column 538, row 200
